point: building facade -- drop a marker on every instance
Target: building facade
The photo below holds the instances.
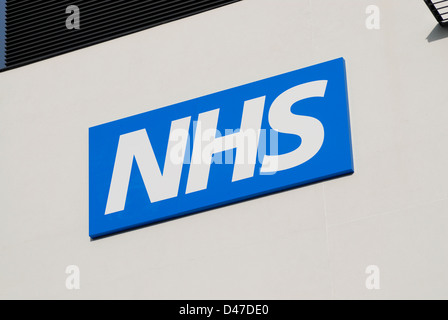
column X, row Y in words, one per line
column 380, row 233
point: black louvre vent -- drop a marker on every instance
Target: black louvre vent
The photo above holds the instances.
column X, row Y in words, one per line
column 36, row 30
column 439, row 9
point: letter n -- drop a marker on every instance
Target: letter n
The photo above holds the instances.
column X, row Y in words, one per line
column 159, row 186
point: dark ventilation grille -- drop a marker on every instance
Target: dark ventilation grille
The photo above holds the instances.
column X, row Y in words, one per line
column 36, row 30
column 439, row 9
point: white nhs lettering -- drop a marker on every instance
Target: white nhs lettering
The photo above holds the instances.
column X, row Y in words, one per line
column 206, row 143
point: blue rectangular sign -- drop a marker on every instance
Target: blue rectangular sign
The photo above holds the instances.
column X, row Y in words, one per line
column 267, row 136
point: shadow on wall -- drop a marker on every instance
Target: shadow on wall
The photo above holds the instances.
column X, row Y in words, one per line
column 438, row 33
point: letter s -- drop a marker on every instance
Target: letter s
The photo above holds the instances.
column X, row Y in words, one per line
column 310, row 130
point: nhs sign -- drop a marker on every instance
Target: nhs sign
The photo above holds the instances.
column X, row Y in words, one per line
column 270, row 135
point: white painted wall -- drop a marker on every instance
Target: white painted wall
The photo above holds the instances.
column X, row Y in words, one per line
column 311, row 242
